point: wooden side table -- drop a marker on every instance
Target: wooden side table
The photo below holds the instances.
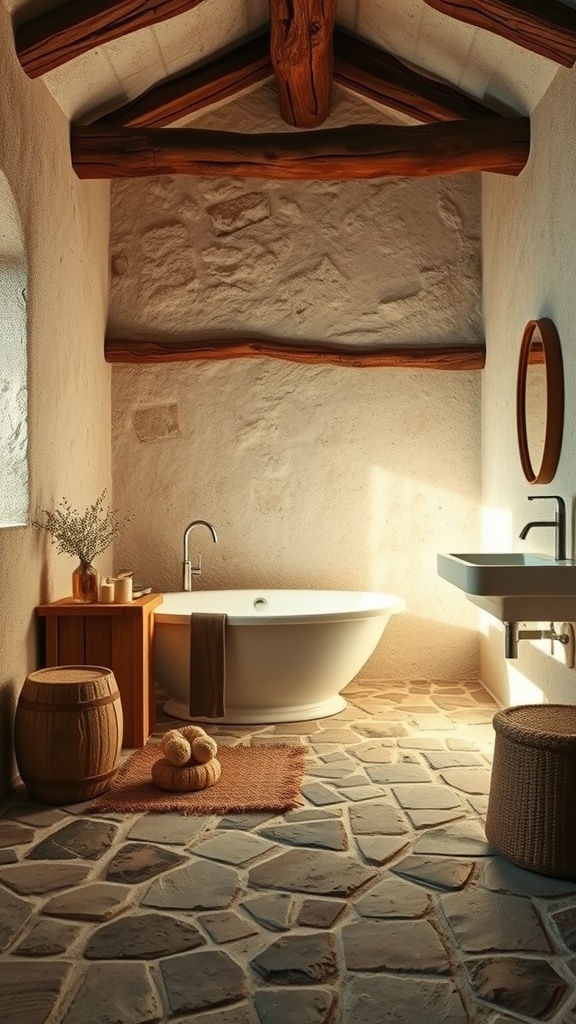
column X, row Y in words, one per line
column 116, row 636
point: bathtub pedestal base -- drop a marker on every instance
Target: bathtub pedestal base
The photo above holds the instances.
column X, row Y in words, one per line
column 264, row 716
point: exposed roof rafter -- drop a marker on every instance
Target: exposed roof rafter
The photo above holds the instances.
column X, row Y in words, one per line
column 197, row 88
column 542, row 26
column 379, row 76
column 59, row 35
column 301, row 51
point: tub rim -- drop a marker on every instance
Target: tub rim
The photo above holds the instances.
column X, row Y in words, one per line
column 385, row 605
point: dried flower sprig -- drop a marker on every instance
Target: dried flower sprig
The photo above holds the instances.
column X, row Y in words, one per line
column 83, row 535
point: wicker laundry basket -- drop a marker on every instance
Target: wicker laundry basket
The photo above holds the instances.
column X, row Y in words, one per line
column 531, row 816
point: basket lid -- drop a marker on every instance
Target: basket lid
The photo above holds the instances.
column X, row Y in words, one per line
column 539, row 725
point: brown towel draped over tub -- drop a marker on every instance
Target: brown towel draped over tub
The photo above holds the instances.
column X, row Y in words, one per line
column 207, row 665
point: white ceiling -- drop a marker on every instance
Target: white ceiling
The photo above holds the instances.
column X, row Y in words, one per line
column 483, row 65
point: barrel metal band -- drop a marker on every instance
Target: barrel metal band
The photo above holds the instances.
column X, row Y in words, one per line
column 79, row 705
column 84, row 780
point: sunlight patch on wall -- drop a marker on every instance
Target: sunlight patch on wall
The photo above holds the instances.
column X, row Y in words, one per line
column 14, row 499
column 497, row 532
column 522, row 690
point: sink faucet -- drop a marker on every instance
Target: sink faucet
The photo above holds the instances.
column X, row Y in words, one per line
column 189, row 570
column 559, row 523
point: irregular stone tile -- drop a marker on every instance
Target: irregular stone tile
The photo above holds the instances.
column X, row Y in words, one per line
column 500, row 875
column 420, row 743
column 338, row 756
column 320, row 913
column 136, row 862
column 273, row 910
column 380, row 849
column 14, row 913
column 226, row 926
column 298, row 960
column 324, row 873
column 394, row 897
column 96, row 902
column 469, row 780
column 337, row 770
column 316, row 793
column 387, row 775
column 479, row 804
column 427, row 819
column 379, row 818
column 357, row 793
column 234, row 847
column 8, row 857
column 530, row 987
column 452, row 759
column 458, row 743
column 565, row 921
column 240, row 1013
column 217, row 980
column 432, row 722
column 343, row 736
column 47, row 938
column 324, row 748
column 201, row 885
column 311, row 814
column 128, row 990
column 296, row 728
column 325, row 835
column 86, row 839
column 36, row 815
column 245, row 822
column 299, row 1007
column 462, row 839
column 14, row 835
column 440, row 873
column 487, row 922
column 352, row 780
column 170, row 829
column 374, row 752
column 142, row 937
column 426, row 797
column 29, row 991
column 41, row 878
column 394, row 945
column 384, row 730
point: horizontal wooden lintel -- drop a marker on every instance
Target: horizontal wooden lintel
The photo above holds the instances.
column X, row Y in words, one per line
column 418, row 357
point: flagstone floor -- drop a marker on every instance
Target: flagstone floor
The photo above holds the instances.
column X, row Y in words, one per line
column 378, row 901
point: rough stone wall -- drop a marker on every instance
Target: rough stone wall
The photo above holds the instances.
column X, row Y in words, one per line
column 313, row 475
column 65, row 231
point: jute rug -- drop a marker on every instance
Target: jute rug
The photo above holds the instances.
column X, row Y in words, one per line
column 261, row 778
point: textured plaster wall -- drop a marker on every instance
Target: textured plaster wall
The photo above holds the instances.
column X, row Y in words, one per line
column 529, row 239
column 314, row 476
column 65, row 234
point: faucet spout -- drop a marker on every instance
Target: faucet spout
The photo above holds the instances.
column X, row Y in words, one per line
column 558, row 524
column 189, row 570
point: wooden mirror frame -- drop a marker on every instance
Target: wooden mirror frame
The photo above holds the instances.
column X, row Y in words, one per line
column 552, row 357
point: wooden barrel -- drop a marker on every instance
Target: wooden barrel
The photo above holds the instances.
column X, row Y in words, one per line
column 68, row 733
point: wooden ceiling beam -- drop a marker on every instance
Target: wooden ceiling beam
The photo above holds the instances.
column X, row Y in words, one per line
column 118, row 350
column 542, row 26
column 61, row 34
column 354, row 152
column 376, row 74
column 301, row 51
column 187, row 93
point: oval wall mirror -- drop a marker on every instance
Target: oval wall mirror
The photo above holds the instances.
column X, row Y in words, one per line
column 540, row 401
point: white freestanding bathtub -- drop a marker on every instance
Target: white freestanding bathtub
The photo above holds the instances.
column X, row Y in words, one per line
column 288, row 652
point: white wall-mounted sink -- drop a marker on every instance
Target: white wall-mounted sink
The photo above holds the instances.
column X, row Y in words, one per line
column 514, row 587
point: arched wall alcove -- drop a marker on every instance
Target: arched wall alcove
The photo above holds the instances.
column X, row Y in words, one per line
column 14, row 495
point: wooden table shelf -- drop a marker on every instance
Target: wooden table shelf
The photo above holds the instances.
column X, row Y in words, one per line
column 116, row 636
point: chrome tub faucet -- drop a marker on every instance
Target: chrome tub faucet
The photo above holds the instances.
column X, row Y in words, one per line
column 559, row 523
column 189, row 570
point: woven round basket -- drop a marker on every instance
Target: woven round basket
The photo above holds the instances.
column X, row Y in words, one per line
column 530, row 818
